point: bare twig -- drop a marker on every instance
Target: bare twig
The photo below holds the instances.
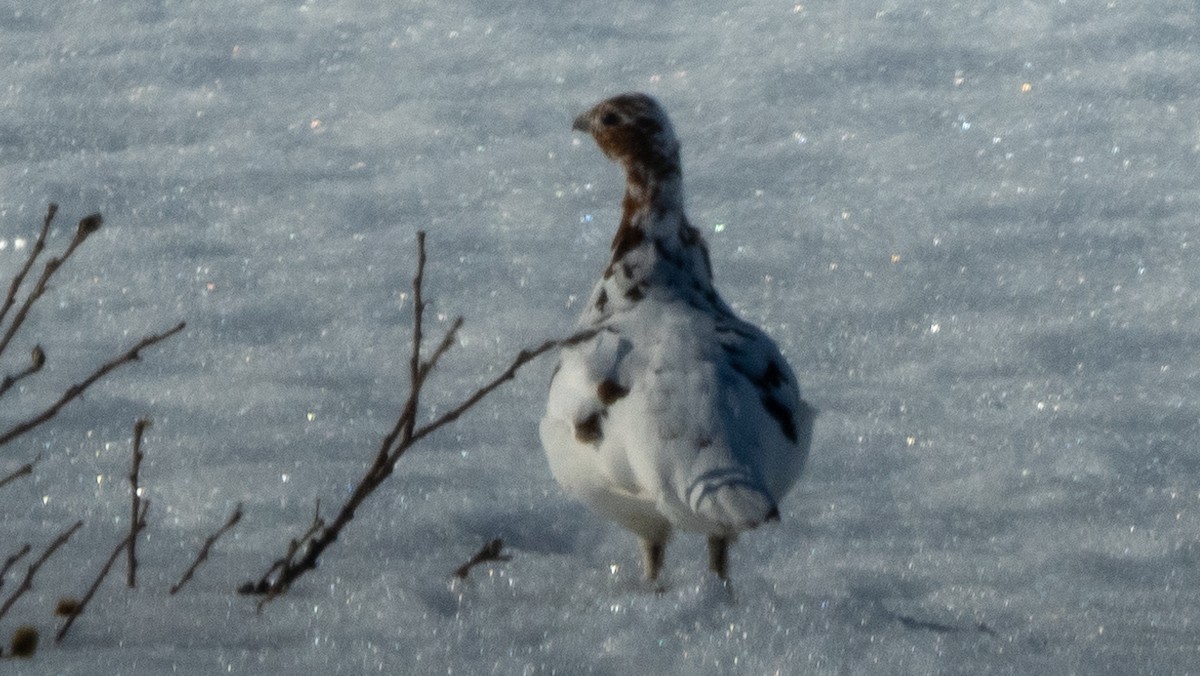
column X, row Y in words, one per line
column 23, row 470
column 12, row 561
column 37, row 359
column 78, row 389
column 403, row 428
column 87, row 226
column 414, row 366
column 135, row 500
column 271, row 587
column 208, row 543
column 34, row 252
column 522, row 358
column 493, row 550
column 77, row 610
column 27, row 583
column 402, row 437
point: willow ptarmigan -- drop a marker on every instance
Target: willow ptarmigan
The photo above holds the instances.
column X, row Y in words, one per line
column 676, row 414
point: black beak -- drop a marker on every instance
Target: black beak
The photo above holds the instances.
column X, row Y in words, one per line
column 583, row 122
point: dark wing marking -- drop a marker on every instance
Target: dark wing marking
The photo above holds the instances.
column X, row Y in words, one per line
column 587, row 430
column 610, row 391
column 602, row 300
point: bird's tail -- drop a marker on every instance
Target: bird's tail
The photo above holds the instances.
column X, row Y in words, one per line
column 733, row 498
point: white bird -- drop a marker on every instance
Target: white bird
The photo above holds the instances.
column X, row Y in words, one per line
column 676, row 414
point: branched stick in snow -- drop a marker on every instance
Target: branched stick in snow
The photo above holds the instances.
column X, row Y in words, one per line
column 23, row 470
column 402, row 437
column 492, row 551
column 88, row 225
column 27, row 583
column 12, row 561
column 34, row 252
column 11, row 325
column 135, row 500
column 208, row 543
column 77, row 609
column 77, row 390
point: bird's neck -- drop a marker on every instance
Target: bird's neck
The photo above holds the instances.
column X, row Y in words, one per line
column 653, row 201
column 655, row 252
column 658, row 190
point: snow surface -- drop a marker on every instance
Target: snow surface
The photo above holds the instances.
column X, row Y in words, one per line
column 971, row 226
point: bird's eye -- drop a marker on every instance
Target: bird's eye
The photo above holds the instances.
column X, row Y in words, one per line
column 609, row 119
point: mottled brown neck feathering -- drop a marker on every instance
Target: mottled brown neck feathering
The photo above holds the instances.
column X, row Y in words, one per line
column 633, row 130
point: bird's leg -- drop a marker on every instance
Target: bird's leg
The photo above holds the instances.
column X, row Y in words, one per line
column 654, row 553
column 718, row 554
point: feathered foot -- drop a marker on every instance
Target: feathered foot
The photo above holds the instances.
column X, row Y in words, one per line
column 654, row 554
column 718, row 555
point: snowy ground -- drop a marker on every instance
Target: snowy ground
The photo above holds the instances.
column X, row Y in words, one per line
column 970, row 225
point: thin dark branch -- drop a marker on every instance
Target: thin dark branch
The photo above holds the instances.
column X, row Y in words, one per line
column 415, row 373
column 27, row 583
column 408, row 412
column 78, row 389
column 522, row 358
column 23, row 470
column 274, row 586
column 401, row 437
column 12, row 561
column 139, row 524
column 208, row 543
column 37, row 359
column 135, row 501
column 87, row 226
column 493, row 550
column 442, row 348
column 34, row 252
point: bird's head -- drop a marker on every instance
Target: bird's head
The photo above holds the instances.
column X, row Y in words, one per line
column 634, row 130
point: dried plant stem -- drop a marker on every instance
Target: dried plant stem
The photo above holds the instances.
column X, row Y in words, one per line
column 269, row 588
column 36, row 362
column 493, row 550
column 27, row 582
column 402, row 437
column 12, row 561
column 112, row 558
column 523, row 357
column 135, row 501
column 34, row 252
column 202, row 556
column 415, row 372
column 23, row 470
column 79, row 388
column 87, row 226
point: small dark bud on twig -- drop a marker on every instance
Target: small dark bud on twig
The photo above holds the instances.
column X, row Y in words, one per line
column 66, row 607
column 24, row 642
column 90, row 224
column 38, row 357
column 493, row 550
